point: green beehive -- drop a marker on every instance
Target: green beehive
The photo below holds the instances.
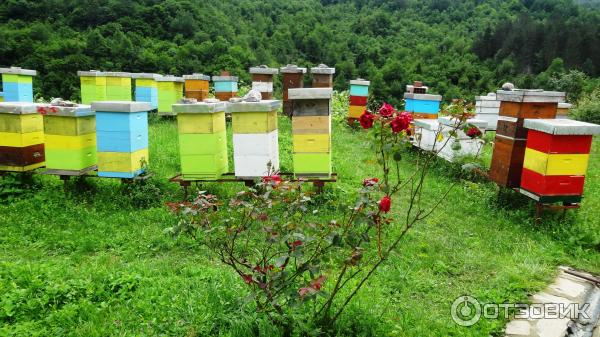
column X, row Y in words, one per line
column 202, row 140
column 118, row 86
column 170, row 91
column 93, row 86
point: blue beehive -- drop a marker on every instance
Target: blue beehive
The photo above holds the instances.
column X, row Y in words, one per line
column 17, row 84
column 421, row 104
column 146, row 88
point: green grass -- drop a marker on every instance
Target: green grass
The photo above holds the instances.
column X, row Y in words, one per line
column 94, row 261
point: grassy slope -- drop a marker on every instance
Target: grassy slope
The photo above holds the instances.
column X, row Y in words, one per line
column 91, row 264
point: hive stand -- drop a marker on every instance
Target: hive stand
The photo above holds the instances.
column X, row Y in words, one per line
column 262, row 80
column 293, row 77
column 359, row 94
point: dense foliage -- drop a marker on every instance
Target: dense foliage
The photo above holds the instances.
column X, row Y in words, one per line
column 459, row 48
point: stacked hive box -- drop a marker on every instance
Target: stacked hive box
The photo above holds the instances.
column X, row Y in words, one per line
column 359, row 92
column 122, row 138
column 563, row 110
column 93, row 86
column 487, row 108
column 311, row 129
column 262, row 80
column 511, row 136
column 226, row 87
column 170, row 91
column 196, row 86
column 146, row 88
column 202, row 140
column 21, row 137
column 421, row 104
column 293, row 77
column 556, row 159
column 457, row 144
column 322, row 76
column 70, row 134
column 17, row 84
column 118, row 86
column 255, row 137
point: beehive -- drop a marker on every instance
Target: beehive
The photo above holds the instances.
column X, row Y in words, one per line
column 255, row 137
column 562, row 112
column 118, row 86
column 146, row 88
column 455, row 144
column 293, row 77
column 421, row 104
column 556, row 159
column 488, row 108
column 93, row 86
column 202, row 140
column 197, row 86
column 359, row 93
column 427, row 134
column 322, row 76
column 509, row 149
column 311, row 131
column 170, row 91
column 70, row 135
column 17, row 84
column 21, row 137
column 226, row 87
column 262, row 80
column 122, row 138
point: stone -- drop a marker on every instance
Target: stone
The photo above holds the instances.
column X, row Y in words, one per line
column 518, row 328
column 508, row 86
column 563, row 287
column 252, row 96
column 552, row 327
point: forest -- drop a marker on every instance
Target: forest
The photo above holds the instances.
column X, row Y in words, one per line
column 460, row 48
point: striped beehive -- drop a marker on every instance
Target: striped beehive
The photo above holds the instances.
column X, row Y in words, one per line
column 262, row 80
column 292, row 77
column 146, row 88
column 487, row 108
column 70, row 136
column 197, row 86
column 255, row 137
column 118, row 86
column 202, row 140
column 121, row 138
column 226, row 86
column 311, row 131
column 421, row 104
column 556, row 159
column 511, row 136
column 93, row 86
column 359, row 93
column 17, row 84
column 170, row 91
column 562, row 112
column 21, row 137
column 322, row 76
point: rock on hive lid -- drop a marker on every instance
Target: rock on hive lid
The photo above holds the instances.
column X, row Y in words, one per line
column 423, row 97
column 18, row 108
column 145, row 75
column 117, row 74
column 264, row 70
column 310, row 93
column 322, row 69
column 199, row 107
column 169, row 78
column 530, row 96
column 360, row 81
column 196, row 76
column 265, row 105
column 18, row 71
column 562, row 127
column 91, row 73
column 121, row 106
column 292, row 69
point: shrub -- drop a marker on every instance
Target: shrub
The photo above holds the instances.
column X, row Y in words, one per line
column 588, row 108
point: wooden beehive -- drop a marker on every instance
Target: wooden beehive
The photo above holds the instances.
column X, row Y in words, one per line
column 556, row 159
column 423, row 106
column 488, row 108
column 311, row 131
column 322, row 76
column 122, row 138
column 292, row 77
column 170, row 91
column 255, row 137
column 17, row 84
column 563, row 110
column 70, row 136
column 118, row 86
column 21, row 137
column 359, row 92
column 146, row 88
column 226, row 87
column 197, row 86
column 93, row 86
column 262, row 80
column 202, row 140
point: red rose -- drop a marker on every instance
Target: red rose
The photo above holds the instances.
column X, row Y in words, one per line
column 386, row 110
column 366, row 120
column 273, row 180
column 401, row 122
column 370, row 182
column 473, row 132
column 385, row 204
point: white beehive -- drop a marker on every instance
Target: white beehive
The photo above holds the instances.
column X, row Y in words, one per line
column 487, row 108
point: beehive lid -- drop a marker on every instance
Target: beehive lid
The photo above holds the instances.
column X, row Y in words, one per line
column 410, row 88
column 117, row 74
column 360, row 81
column 322, row 69
column 222, row 78
column 562, row 127
column 264, row 70
column 565, row 105
column 427, row 124
column 79, row 110
column 530, row 96
column 91, row 73
column 423, row 97
column 145, row 76
column 18, row 108
column 450, row 121
column 196, row 76
column 121, row 106
column 169, row 78
column 18, row 71
column 262, row 106
column 490, row 97
column 310, row 93
column 292, row 69
column 199, row 107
